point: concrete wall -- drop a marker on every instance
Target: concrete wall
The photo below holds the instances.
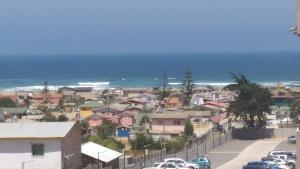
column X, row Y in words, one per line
column 263, row 133
column 15, row 151
column 71, row 146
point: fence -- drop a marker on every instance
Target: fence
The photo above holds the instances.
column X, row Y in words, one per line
column 197, row 147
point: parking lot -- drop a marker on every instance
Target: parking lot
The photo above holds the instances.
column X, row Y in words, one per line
column 237, row 153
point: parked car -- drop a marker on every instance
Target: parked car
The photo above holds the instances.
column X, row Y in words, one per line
column 289, row 161
column 203, row 162
column 292, row 139
column 180, row 162
column 280, row 152
column 165, row 165
column 282, row 164
column 259, row 165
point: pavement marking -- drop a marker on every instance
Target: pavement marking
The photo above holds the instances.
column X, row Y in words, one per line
column 253, row 152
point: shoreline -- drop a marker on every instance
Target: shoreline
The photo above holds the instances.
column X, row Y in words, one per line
column 108, row 85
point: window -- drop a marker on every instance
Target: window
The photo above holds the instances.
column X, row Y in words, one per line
column 171, row 166
column 160, row 122
column 37, row 149
column 177, row 122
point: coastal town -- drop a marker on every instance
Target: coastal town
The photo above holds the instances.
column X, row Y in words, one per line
column 131, row 128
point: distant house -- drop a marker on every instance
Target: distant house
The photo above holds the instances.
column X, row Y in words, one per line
column 171, row 123
column 176, row 100
column 197, row 100
column 14, row 113
column 85, row 92
column 47, row 145
column 68, row 94
column 202, row 89
column 93, row 153
column 123, row 132
column 112, row 109
column 132, row 92
column 69, row 107
column 87, row 108
column 56, row 100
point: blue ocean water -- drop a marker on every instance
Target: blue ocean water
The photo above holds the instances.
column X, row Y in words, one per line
column 146, row 70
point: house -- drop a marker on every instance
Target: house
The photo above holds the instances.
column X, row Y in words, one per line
column 112, row 109
column 93, row 153
column 171, row 123
column 43, row 145
column 87, row 108
column 202, row 89
column 168, row 124
column 176, row 100
column 197, row 100
column 14, row 113
column 86, row 93
column 69, row 107
column 123, row 132
column 68, row 94
column 55, row 100
column 132, row 92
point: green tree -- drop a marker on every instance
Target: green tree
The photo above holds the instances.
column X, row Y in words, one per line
column 7, row 102
column 145, row 119
column 106, row 129
column 188, row 128
column 164, row 90
column 252, row 103
column 140, row 141
column 107, row 142
column 45, row 106
column 295, row 111
column 188, row 86
column 62, row 118
column 48, row 117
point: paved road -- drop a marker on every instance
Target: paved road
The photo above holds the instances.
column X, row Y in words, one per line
column 227, row 152
column 237, row 153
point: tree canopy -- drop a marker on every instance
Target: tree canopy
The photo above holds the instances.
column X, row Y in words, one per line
column 7, row 102
column 188, row 128
column 188, row 85
column 252, row 102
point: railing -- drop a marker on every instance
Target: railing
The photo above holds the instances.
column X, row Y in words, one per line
column 198, row 147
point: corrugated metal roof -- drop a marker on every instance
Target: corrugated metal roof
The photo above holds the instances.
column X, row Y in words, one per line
column 93, row 150
column 35, row 130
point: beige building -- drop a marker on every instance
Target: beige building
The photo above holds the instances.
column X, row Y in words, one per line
column 40, row 145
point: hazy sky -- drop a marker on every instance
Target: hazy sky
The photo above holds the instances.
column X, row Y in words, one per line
column 45, row 27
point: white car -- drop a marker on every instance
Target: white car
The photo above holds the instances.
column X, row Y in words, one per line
column 165, row 165
column 180, row 162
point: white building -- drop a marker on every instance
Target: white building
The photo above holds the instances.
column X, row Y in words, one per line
column 40, row 145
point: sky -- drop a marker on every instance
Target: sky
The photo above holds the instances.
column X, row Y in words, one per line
column 55, row 27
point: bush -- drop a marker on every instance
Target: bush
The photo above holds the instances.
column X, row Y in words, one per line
column 109, row 143
column 48, row 117
column 62, row 118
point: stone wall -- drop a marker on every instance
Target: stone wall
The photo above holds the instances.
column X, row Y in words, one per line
column 71, row 149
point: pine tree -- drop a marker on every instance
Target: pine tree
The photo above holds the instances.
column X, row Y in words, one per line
column 45, row 106
column 188, row 86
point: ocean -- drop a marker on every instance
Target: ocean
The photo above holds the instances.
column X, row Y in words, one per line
column 145, row 70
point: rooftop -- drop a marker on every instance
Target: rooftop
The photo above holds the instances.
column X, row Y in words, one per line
column 97, row 151
column 35, row 130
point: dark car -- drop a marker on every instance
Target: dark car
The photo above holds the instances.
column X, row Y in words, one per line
column 259, row 165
